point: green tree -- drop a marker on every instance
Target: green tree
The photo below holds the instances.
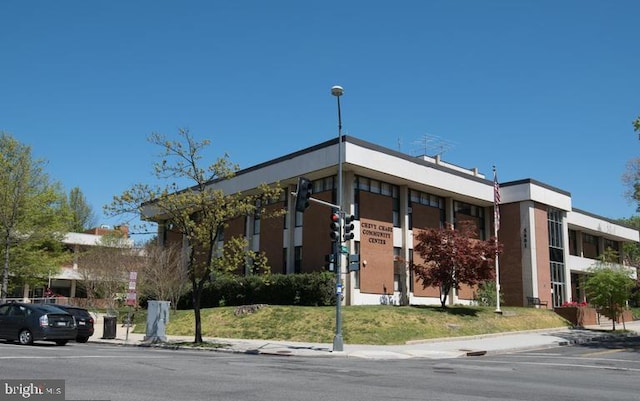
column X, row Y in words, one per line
column 608, row 286
column 81, row 213
column 32, row 217
column 453, row 257
column 631, row 180
column 198, row 213
column 631, row 256
column 631, row 175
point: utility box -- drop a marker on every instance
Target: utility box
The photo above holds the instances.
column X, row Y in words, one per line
column 157, row 319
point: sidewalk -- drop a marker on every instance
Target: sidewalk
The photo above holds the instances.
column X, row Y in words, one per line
column 442, row 348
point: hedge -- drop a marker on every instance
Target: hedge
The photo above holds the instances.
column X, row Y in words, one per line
column 306, row 289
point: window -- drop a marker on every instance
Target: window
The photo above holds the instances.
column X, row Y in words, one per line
column 285, row 252
column 297, row 266
column 286, row 216
column 573, row 243
column 411, row 275
column 466, row 211
column 397, row 252
column 396, row 212
column 299, row 219
column 425, row 199
column 363, row 184
column 319, row 185
column 556, row 255
column 611, row 244
column 377, row 187
column 256, row 217
column 374, row 186
column 590, row 246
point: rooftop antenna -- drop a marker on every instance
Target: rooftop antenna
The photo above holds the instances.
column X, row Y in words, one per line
column 434, row 144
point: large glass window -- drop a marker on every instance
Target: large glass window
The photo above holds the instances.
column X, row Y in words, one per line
column 556, row 255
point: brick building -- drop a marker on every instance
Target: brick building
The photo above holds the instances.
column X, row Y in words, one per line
column 548, row 245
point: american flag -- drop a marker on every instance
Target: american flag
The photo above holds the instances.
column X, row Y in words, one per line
column 496, row 200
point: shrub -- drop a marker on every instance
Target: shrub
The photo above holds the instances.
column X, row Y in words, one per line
column 306, row 289
column 485, row 294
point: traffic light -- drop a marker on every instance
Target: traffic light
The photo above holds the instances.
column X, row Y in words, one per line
column 348, row 227
column 330, row 262
column 335, row 226
column 303, row 193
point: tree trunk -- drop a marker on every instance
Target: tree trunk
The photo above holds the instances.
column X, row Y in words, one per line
column 197, row 293
column 5, row 271
column 612, row 308
column 444, row 292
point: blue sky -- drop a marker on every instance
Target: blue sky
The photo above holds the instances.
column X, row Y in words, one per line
column 543, row 89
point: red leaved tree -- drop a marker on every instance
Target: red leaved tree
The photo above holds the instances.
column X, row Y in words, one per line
column 453, row 257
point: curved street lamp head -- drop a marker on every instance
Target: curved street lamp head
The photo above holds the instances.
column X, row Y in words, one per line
column 337, row 90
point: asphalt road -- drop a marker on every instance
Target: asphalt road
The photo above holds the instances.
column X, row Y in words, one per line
column 591, row 372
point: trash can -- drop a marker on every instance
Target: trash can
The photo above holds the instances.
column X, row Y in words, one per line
column 109, row 328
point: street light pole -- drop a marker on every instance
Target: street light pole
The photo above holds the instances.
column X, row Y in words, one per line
column 338, row 91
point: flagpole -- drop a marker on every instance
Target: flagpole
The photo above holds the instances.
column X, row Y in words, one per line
column 496, row 225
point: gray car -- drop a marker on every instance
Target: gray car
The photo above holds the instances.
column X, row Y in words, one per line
column 27, row 323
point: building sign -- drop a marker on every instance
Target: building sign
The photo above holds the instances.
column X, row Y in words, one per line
column 376, row 233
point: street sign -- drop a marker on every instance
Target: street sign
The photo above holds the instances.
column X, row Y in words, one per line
column 344, row 249
column 131, row 298
column 132, row 295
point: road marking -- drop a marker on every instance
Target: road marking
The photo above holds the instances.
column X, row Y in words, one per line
column 609, row 351
column 577, row 356
column 567, row 365
column 78, row 357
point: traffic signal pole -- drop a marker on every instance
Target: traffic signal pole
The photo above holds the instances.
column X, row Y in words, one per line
column 337, row 220
column 338, row 91
column 303, row 197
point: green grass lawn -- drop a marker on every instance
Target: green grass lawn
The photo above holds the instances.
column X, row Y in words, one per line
column 361, row 324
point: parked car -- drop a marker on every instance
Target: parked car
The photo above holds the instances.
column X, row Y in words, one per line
column 27, row 323
column 84, row 321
